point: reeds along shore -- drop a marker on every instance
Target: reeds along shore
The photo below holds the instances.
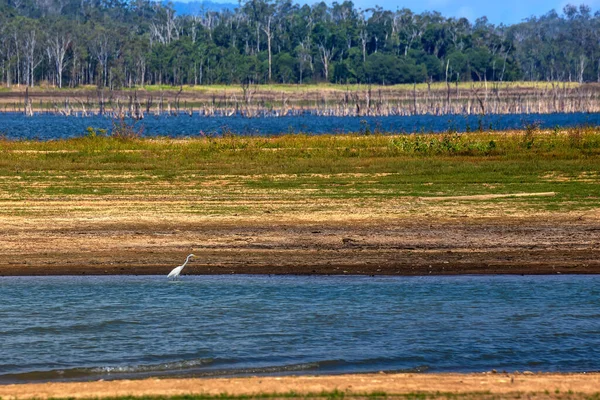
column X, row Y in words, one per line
column 251, row 102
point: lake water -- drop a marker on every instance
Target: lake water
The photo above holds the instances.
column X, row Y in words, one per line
column 65, row 328
column 46, row 126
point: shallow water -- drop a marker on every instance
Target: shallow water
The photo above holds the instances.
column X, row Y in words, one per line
column 47, row 127
column 62, row 328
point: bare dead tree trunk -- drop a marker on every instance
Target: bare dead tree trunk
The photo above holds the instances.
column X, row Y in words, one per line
column 269, row 33
column 326, row 56
column 57, row 51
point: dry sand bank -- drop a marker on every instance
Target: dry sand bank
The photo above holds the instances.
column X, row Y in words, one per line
column 501, row 385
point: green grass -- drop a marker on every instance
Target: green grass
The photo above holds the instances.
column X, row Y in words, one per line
column 307, row 168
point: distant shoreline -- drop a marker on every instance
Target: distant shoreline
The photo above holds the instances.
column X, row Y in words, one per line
column 466, row 98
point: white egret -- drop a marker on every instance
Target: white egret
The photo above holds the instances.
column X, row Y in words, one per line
column 176, row 271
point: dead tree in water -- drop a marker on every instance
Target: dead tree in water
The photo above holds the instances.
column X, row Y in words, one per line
column 481, row 102
column 101, row 106
column 27, row 109
column 137, row 111
column 177, row 98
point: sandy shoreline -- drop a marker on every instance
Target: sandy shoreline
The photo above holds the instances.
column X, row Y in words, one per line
column 502, row 384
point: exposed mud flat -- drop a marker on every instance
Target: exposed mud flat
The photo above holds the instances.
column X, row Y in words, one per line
column 126, row 243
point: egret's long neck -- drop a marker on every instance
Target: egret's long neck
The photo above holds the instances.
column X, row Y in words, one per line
column 186, row 261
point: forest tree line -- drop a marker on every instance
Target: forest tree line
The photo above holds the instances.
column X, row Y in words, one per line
column 114, row 43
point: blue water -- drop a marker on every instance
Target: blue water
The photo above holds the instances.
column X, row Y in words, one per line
column 46, row 126
column 62, row 328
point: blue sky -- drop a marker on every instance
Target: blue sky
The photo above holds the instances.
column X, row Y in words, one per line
column 497, row 11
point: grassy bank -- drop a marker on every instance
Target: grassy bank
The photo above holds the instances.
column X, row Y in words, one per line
column 562, row 165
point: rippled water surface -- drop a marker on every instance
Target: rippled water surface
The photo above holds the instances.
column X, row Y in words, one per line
column 56, row 328
column 46, row 127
